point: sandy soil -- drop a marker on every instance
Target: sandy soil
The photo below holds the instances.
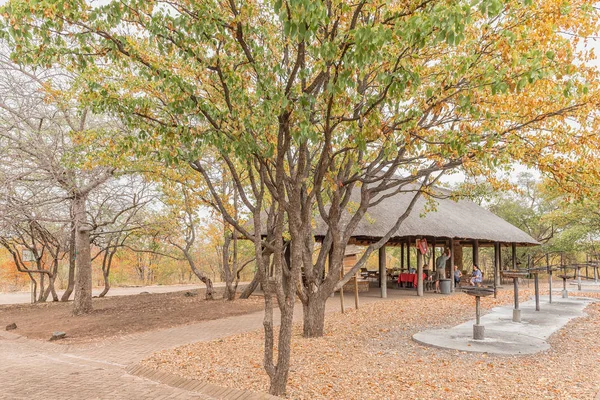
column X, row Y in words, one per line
column 369, row 354
column 121, row 315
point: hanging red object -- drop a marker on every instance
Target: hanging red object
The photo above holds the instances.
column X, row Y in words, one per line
column 422, row 245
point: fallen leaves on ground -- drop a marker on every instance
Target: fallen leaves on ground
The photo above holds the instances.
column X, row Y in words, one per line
column 369, row 354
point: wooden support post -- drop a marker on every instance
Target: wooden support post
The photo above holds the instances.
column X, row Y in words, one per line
column 476, row 253
column 341, row 289
column 408, row 255
column 595, row 273
column 452, row 265
column 356, row 289
column 496, row 267
column 537, row 292
column 549, row 270
column 419, row 272
column 514, row 255
column 401, row 256
column 497, row 276
column 433, row 246
column 382, row 273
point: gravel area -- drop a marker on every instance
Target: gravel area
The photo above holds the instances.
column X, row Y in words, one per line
column 369, row 354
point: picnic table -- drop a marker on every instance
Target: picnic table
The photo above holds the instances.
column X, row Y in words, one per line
column 405, row 278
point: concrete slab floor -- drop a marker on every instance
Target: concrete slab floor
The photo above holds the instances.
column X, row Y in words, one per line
column 502, row 335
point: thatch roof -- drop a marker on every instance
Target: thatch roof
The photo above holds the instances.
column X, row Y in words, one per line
column 462, row 220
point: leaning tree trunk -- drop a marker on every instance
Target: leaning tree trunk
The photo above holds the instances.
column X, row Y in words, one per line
column 251, row 286
column 106, row 264
column 71, row 283
column 210, row 291
column 83, row 276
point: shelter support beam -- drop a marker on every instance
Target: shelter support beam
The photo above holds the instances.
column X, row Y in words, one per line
column 476, row 252
column 382, row 273
column 401, row 256
column 549, row 269
column 419, row 273
column 452, row 245
column 496, row 267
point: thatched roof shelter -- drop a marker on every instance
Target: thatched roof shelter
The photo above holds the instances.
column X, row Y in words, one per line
column 462, row 220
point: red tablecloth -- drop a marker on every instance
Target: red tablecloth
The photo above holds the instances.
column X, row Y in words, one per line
column 412, row 278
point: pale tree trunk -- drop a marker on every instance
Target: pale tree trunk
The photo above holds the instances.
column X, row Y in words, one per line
column 35, row 287
column 52, row 287
column 71, row 283
column 83, row 277
column 42, row 294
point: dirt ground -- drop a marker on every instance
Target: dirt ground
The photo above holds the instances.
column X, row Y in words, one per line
column 369, row 354
column 121, row 315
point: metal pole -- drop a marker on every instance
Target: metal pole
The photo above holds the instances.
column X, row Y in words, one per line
column 579, row 278
column 516, row 311
column 537, row 292
column 478, row 329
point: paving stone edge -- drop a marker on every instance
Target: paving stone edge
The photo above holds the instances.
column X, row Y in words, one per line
column 208, row 389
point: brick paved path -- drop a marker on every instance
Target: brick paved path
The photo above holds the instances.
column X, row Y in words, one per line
column 34, row 369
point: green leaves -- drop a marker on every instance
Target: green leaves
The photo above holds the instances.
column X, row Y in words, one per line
column 490, row 8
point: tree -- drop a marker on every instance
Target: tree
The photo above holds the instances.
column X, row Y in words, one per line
column 53, row 154
column 117, row 214
column 326, row 108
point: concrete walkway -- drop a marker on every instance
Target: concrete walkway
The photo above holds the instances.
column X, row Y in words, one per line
column 36, row 369
column 502, row 335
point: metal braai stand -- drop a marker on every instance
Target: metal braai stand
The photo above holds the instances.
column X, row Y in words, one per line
column 478, row 293
column 565, row 294
column 515, row 275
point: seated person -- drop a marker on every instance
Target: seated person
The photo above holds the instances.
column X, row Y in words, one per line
column 476, row 276
column 412, row 271
column 457, row 275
